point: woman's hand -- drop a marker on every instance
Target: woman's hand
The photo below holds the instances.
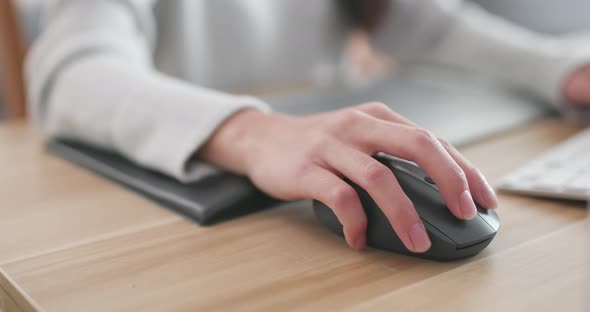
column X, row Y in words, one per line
column 307, row 157
column 577, row 87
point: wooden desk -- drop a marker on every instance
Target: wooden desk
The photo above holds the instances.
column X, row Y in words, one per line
column 71, row 241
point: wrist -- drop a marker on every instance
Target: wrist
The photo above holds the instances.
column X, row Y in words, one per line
column 233, row 143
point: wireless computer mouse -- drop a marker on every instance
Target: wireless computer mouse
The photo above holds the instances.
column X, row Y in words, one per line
column 451, row 238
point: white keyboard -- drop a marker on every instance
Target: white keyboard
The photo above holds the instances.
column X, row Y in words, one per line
column 563, row 172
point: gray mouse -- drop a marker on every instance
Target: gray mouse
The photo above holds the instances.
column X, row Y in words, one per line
column 451, row 237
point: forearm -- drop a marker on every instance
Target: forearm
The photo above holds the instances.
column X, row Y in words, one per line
column 465, row 36
column 490, row 46
column 154, row 120
column 94, row 82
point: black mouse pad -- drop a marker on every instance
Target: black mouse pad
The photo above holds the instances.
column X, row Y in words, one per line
column 214, row 199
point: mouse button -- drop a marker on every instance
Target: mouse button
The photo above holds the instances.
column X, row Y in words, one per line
column 432, row 230
column 427, row 201
column 490, row 217
column 432, row 208
column 466, row 232
column 401, row 164
column 418, row 190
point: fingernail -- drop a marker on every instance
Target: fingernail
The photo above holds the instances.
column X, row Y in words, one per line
column 467, row 205
column 490, row 197
column 419, row 238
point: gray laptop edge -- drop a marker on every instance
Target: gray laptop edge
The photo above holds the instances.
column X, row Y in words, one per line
column 454, row 105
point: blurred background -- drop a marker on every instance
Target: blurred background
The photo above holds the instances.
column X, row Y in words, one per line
column 547, row 16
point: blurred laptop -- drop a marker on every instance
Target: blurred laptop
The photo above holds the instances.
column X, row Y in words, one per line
column 454, row 105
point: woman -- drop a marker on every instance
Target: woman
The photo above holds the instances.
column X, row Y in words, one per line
column 101, row 74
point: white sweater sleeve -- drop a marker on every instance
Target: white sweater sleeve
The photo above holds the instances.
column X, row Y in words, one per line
column 91, row 79
column 465, row 36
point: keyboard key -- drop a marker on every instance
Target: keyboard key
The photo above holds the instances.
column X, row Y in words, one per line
column 563, row 172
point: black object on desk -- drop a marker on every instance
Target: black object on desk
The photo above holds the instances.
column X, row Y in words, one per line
column 451, row 238
column 208, row 201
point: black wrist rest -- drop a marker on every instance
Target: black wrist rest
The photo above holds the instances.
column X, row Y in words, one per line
column 213, row 199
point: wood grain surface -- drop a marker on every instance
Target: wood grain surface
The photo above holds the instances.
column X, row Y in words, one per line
column 72, row 241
